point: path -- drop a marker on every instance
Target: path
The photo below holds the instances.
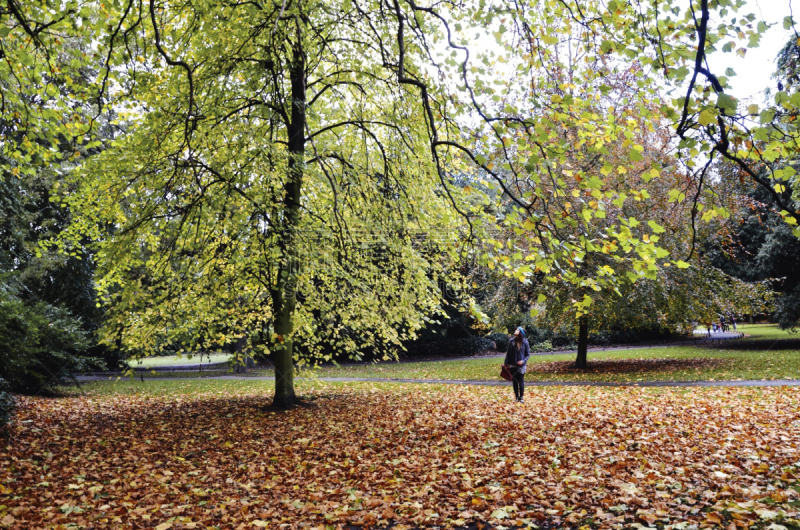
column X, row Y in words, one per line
column 742, row 383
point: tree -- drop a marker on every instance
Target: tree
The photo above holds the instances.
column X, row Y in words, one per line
column 50, row 316
column 275, row 185
column 572, row 171
column 758, row 246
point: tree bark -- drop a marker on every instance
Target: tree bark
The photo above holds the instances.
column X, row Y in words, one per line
column 583, row 342
column 284, row 296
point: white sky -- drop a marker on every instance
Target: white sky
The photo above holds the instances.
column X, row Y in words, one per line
column 754, row 70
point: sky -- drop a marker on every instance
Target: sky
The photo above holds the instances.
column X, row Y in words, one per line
column 754, row 70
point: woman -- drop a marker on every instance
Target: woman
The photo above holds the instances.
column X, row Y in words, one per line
column 516, row 356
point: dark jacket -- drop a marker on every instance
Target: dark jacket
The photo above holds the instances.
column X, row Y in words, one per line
column 514, row 355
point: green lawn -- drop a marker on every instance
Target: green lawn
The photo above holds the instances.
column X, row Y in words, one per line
column 174, row 360
column 682, row 363
column 161, row 387
column 678, row 364
column 766, row 332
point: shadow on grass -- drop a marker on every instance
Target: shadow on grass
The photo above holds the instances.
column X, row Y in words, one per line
column 627, row 366
column 758, row 344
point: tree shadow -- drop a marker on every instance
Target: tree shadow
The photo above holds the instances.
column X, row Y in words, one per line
column 759, row 344
column 628, row 366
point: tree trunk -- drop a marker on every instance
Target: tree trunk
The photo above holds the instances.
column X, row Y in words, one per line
column 583, row 342
column 284, row 296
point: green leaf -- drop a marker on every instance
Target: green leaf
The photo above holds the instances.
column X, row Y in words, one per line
column 655, row 227
column 727, row 103
column 681, row 264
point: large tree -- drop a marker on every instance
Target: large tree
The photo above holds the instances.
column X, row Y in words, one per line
column 276, row 184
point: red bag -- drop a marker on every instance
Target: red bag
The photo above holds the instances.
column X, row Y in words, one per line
column 505, row 373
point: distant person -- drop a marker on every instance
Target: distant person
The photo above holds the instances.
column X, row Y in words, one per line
column 722, row 323
column 517, row 355
column 733, row 321
column 708, row 324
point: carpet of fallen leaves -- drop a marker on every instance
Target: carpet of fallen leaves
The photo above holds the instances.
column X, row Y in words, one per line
column 627, row 366
column 411, row 456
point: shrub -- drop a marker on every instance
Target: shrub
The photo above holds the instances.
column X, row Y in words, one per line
column 444, row 347
column 39, row 343
column 7, row 405
column 500, row 341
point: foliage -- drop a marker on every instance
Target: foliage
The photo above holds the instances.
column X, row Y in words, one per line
column 288, row 197
column 758, row 246
column 460, row 347
column 7, row 405
column 500, row 341
column 50, row 313
column 31, row 215
column 39, row 343
column 395, row 454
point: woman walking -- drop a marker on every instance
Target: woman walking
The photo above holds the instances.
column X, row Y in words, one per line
column 517, row 355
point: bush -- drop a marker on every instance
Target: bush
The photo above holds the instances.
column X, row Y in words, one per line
column 542, row 346
column 7, row 405
column 444, row 347
column 39, row 344
column 500, row 341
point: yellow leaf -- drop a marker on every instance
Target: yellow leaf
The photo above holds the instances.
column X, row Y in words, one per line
column 707, row 117
column 164, row 526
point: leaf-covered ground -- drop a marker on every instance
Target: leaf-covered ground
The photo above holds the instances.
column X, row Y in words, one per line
column 409, row 455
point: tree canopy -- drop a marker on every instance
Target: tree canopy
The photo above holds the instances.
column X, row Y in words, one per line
column 288, row 173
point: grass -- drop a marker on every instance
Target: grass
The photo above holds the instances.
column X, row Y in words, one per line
column 728, row 365
column 174, row 360
column 679, row 363
column 211, row 388
column 766, row 332
column 167, row 387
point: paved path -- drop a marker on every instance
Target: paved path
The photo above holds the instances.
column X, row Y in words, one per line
column 741, row 383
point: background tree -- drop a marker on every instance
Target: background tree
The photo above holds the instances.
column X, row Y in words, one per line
column 758, row 246
column 50, row 318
